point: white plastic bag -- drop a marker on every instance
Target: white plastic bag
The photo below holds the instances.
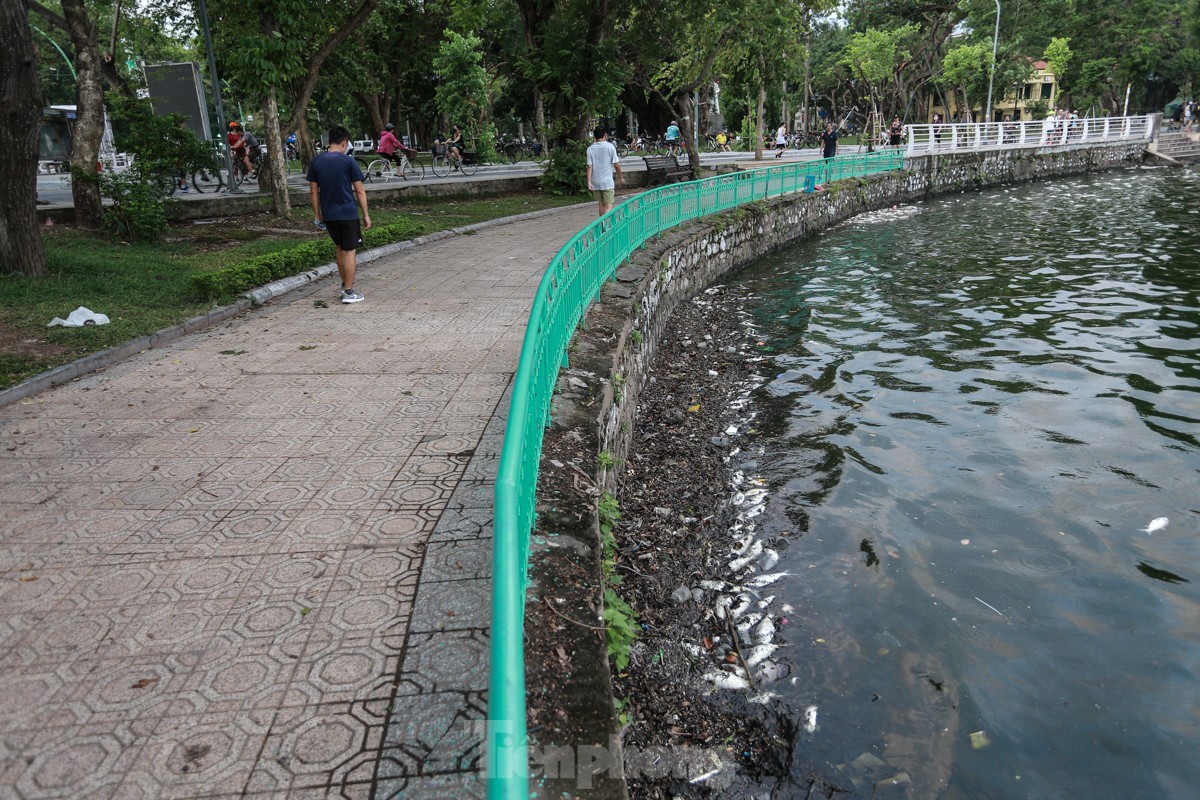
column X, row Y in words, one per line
column 79, row 318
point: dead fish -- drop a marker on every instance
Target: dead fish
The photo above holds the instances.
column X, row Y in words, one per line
column 753, row 496
column 769, row 559
column 712, row 586
column 759, row 581
column 772, row 672
column 810, row 719
column 738, row 499
column 748, row 622
column 764, row 632
column 1156, row 524
column 762, row 698
column 741, row 606
column 766, row 601
column 760, row 653
column 723, row 680
column 738, row 564
column 743, row 544
column 721, row 609
column 751, row 513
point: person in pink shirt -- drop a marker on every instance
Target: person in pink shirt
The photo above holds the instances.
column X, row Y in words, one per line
column 392, row 147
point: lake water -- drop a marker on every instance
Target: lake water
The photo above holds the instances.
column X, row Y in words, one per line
column 974, row 407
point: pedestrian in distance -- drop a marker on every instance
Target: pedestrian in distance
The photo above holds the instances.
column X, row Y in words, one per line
column 896, row 133
column 335, row 182
column 829, row 141
column 781, row 140
column 602, row 161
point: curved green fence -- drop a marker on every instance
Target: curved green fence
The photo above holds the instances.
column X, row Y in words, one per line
column 571, row 283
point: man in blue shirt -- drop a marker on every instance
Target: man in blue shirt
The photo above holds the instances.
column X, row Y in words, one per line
column 335, row 182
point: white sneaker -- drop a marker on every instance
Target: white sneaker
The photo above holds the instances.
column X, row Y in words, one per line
column 351, row 296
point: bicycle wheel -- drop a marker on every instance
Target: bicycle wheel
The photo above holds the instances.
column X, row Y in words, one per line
column 413, row 170
column 377, row 171
column 468, row 164
column 363, row 163
column 441, row 166
column 207, row 180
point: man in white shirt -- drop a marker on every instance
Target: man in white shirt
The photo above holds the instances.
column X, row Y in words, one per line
column 601, row 161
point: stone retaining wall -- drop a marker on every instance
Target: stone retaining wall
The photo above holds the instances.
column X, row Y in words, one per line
column 610, row 357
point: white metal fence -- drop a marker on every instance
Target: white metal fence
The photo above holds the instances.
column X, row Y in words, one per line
column 973, row 137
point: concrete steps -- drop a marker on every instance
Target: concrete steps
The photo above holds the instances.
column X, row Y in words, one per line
column 1180, row 147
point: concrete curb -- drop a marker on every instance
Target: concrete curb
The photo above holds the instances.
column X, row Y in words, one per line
column 252, row 299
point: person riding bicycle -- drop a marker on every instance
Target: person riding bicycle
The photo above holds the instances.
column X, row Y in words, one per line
column 674, row 137
column 393, row 148
column 454, row 146
column 245, row 149
column 236, row 147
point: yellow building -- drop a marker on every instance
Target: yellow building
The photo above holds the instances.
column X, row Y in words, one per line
column 1041, row 85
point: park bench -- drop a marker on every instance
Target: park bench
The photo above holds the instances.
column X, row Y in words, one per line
column 664, row 169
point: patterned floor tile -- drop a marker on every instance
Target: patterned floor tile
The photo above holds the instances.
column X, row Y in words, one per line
column 266, row 573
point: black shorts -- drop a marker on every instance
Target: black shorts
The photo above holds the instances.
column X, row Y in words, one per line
column 346, row 233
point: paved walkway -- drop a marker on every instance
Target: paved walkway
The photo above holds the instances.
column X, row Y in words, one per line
column 256, row 563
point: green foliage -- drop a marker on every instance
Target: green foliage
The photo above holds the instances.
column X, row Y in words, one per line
column 1037, row 109
column 161, row 144
column 968, row 67
column 274, row 266
column 165, row 152
column 1058, row 57
column 620, row 628
column 462, row 90
column 608, row 512
column 620, row 621
column 566, row 172
column 137, row 213
column 874, row 55
column 606, row 460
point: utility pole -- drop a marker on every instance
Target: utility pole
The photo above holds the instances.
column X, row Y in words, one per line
column 232, row 186
column 992, row 76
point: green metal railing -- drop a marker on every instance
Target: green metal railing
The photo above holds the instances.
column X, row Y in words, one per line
column 571, row 283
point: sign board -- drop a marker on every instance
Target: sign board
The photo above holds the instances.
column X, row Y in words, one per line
column 177, row 89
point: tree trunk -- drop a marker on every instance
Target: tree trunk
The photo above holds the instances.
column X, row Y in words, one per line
column 276, row 164
column 21, row 248
column 539, row 121
column 89, row 111
column 683, row 108
column 371, row 104
column 758, row 121
column 308, row 150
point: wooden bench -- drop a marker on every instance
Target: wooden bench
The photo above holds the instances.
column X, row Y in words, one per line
column 664, row 169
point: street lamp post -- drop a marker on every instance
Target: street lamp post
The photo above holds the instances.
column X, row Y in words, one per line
column 992, row 77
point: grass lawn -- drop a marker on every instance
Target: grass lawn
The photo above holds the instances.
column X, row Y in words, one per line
column 144, row 288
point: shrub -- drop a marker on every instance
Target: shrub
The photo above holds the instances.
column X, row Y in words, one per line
column 263, row 269
column 566, row 172
column 137, row 213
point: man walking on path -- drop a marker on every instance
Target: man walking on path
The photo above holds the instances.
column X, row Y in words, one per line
column 601, row 161
column 829, row 141
column 334, row 183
